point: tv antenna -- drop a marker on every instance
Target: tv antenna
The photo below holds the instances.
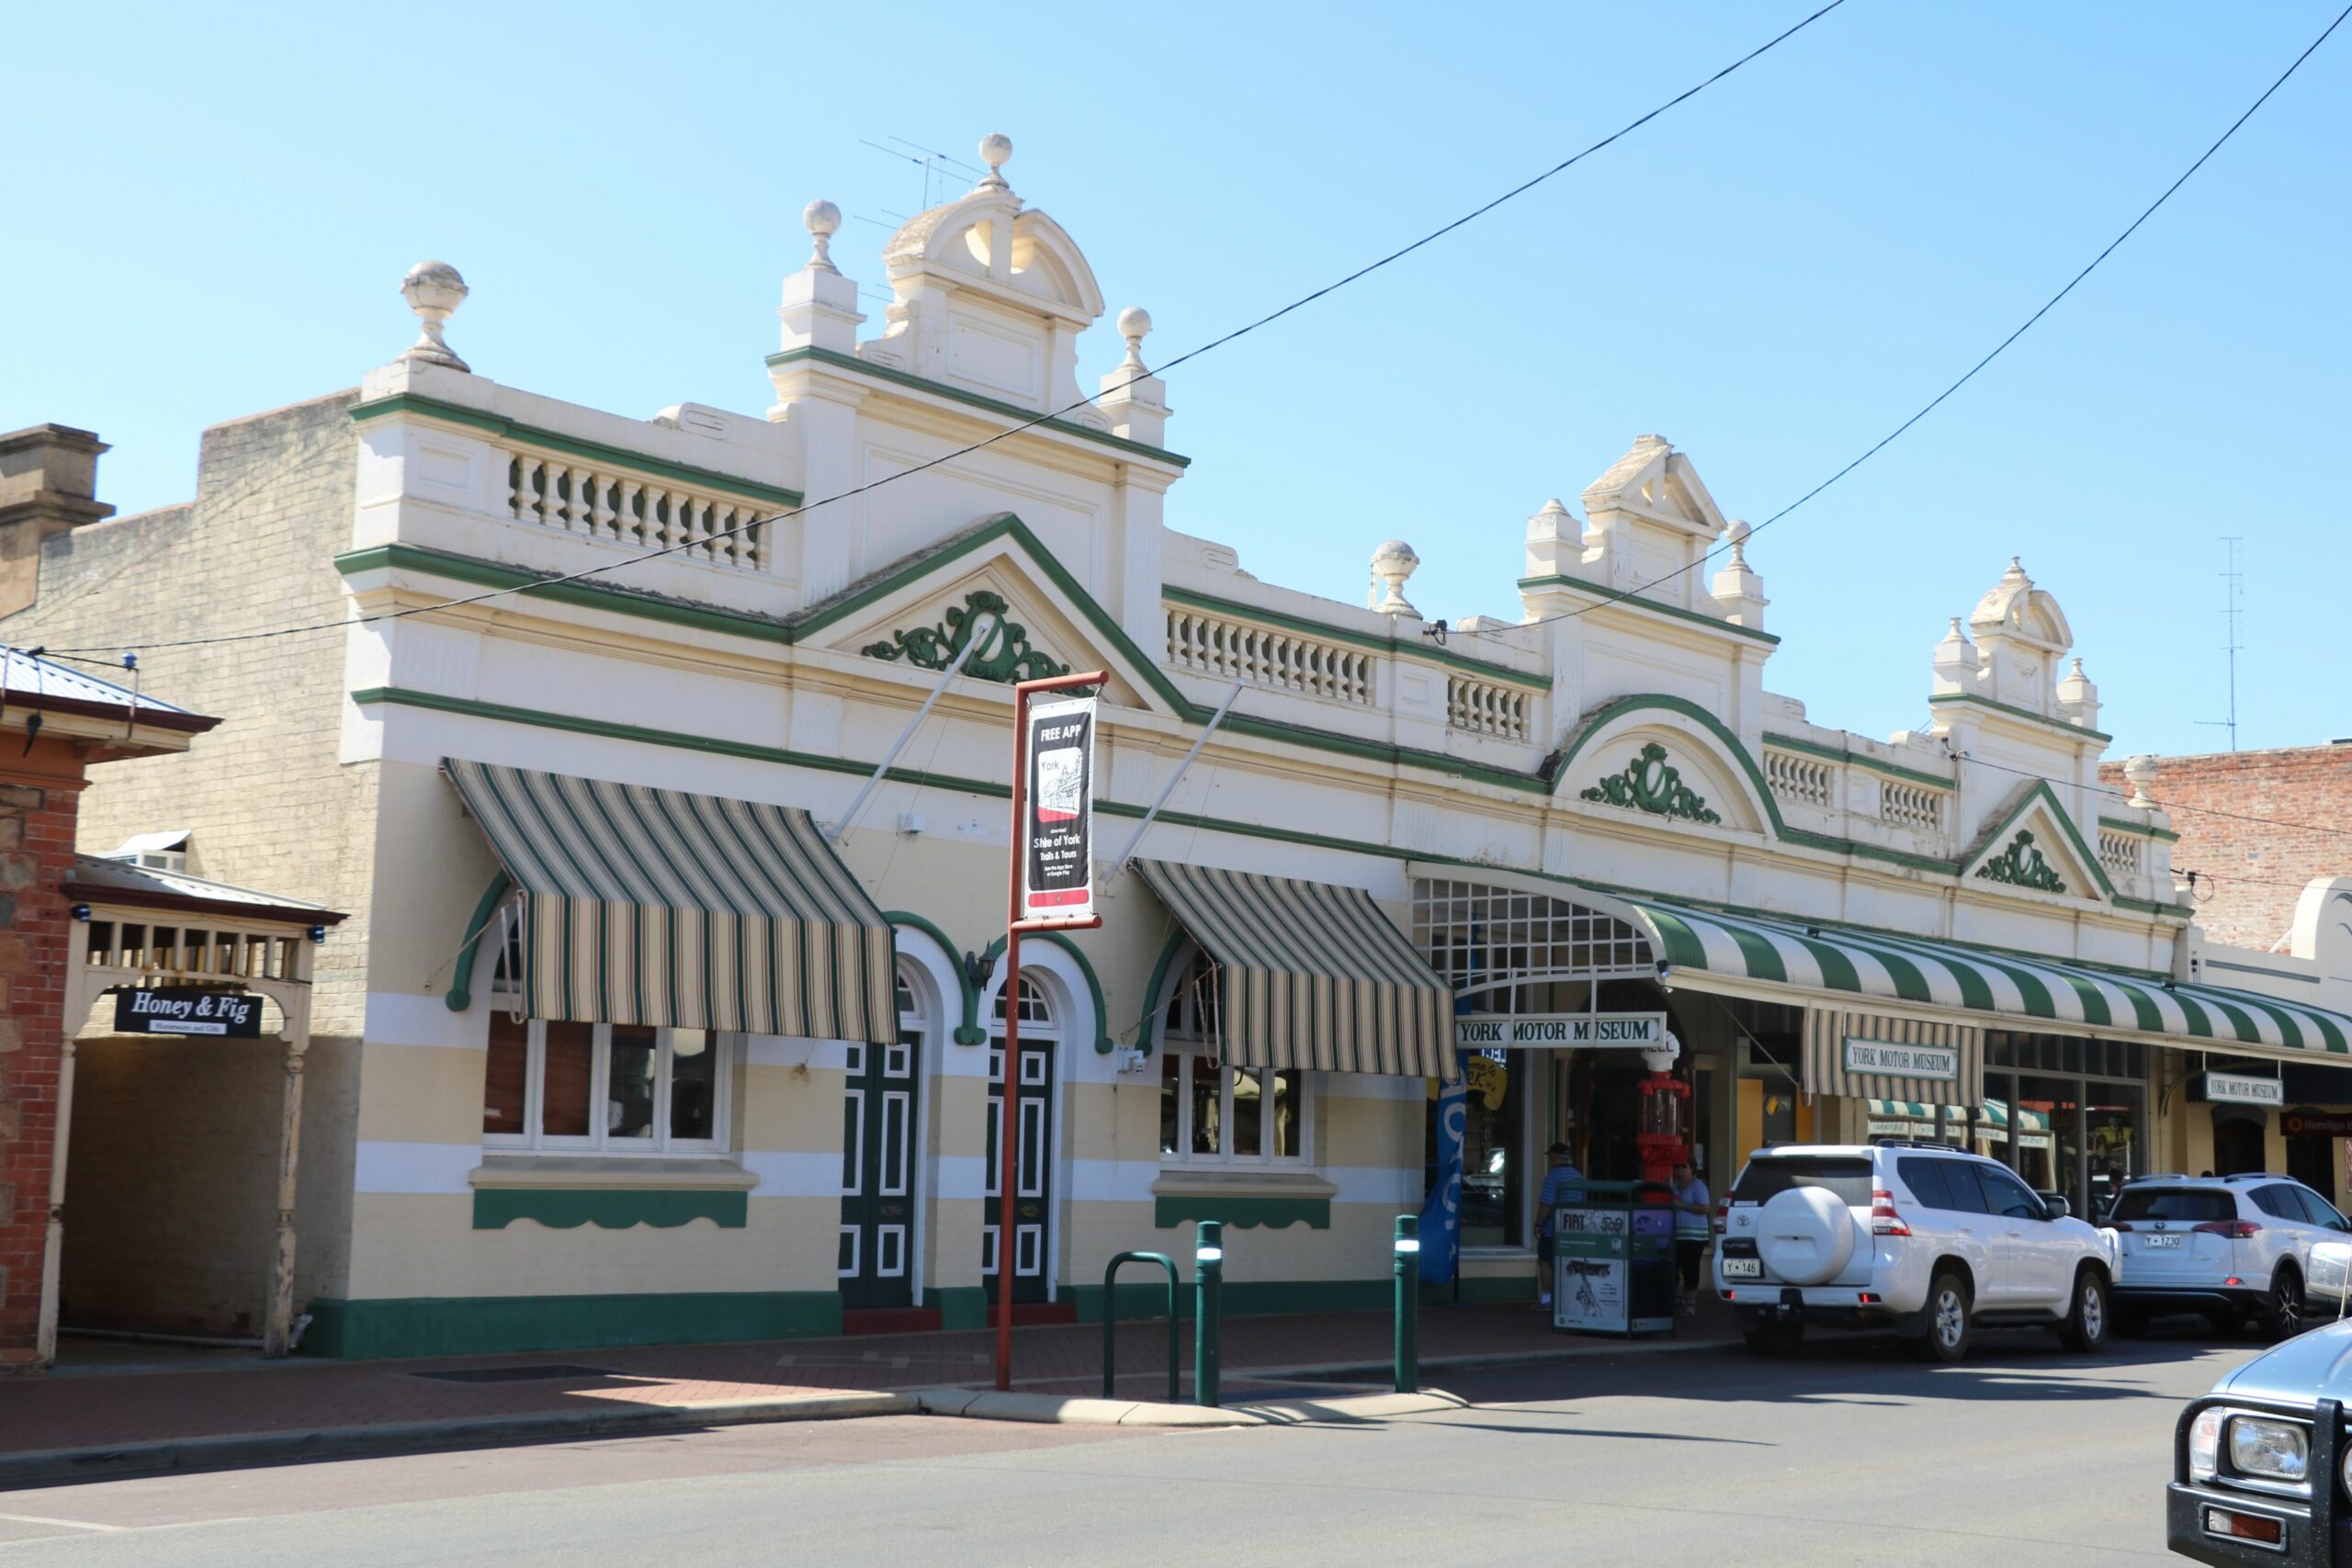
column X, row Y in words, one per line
column 929, row 159
column 2233, row 590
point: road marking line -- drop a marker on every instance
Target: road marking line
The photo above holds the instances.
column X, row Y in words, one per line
column 61, row 1524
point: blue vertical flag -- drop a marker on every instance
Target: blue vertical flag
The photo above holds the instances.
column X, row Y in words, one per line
column 1442, row 1210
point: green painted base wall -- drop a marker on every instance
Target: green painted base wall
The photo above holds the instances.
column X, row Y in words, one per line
column 960, row 1306
column 1243, row 1214
column 607, row 1208
column 468, row 1326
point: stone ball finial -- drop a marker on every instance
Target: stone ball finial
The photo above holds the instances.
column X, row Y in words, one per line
column 2139, row 772
column 822, row 220
column 1735, row 534
column 1135, row 325
column 1391, row 563
column 995, row 148
column 434, row 290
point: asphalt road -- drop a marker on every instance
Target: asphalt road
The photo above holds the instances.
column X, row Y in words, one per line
column 1848, row 1454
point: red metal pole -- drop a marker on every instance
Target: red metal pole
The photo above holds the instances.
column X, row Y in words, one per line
column 1009, row 1166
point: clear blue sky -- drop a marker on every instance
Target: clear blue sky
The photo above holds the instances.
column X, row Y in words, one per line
column 215, row 203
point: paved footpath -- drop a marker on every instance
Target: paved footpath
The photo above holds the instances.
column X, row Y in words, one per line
column 452, row 1402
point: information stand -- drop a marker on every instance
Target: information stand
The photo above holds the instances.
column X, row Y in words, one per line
column 1613, row 1260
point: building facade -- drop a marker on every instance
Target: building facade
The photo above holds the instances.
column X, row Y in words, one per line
column 650, row 1021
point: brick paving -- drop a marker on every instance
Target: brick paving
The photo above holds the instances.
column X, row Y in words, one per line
column 66, row 1410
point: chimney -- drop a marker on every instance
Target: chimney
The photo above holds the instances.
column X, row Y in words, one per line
column 49, row 483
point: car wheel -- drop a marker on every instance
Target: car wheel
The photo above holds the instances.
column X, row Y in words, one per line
column 1947, row 1318
column 2086, row 1325
column 1774, row 1337
column 2286, row 1304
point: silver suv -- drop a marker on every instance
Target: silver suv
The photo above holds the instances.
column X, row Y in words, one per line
column 1924, row 1238
column 2234, row 1249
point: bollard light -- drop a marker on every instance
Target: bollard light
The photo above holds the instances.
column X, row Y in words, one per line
column 1208, row 1279
column 1409, row 1303
column 1208, row 1255
column 1408, row 1244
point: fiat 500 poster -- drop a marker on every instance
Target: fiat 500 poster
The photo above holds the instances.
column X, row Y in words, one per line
column 1058, row 862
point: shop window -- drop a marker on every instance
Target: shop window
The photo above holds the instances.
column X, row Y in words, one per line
column 1211, row 1113
column 617, row 1088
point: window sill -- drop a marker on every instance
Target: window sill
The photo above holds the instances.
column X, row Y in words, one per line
column 634, row 1172
column 1242, row 1199
column 566, row 1191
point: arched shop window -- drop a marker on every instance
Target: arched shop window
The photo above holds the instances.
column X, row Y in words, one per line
column 1211, row 1113
column 556, row 1086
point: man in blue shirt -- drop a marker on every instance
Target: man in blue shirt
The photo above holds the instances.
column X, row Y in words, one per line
column 1561, row 1179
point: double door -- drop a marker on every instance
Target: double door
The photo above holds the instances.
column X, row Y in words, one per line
column 1032, row 1180
column 876, row 1262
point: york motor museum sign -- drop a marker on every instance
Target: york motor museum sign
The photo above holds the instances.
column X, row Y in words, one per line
column 1560, row 1029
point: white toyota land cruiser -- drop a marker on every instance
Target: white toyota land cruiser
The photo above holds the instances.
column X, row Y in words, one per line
column 1924, row 1238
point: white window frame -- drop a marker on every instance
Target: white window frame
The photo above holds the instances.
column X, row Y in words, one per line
column 600, row 1140
column 1194, row 1055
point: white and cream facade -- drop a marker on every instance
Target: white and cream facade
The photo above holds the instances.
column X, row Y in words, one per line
column 1599, row 806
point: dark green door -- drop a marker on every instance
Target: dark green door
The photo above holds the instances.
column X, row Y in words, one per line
column 1033, row 1195
column 877, row 1173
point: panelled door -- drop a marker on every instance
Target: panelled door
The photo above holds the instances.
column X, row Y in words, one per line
column 878, row 1101
column 1034, row 1116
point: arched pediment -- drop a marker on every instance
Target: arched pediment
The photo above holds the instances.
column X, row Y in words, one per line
column 989, row 236
column 1667, row 759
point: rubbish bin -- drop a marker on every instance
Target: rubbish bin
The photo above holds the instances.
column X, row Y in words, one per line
column 1612, row 1256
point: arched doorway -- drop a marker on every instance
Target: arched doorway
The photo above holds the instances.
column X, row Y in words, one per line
column 1032, row 1198
column 2238, row 1140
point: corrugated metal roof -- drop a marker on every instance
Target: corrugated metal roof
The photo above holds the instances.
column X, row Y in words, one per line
column 28, row 678
column 94, row 877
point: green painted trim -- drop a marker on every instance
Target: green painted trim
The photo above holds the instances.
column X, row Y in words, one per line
column 839, row 361
column 472, row 1326
column 1242, row 1214
column 1632, row 601
column 2041, row 790
column 1102, row 1042
column 2150, row 907
column 608, row 1208
column 470, row 708
column 573, row 445
column 967, row 1032
column 1154, row 997
column 587, row 595
column 1399, row 647
column 960, row 1306
column 460, row 994
column 1611, row 712
column 2139, row 830
column 1838, row 754
column 2025, row 714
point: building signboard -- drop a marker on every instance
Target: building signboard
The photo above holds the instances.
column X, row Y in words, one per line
column 1058, row 827
column 2244, row 1088
column 1938, row 1062
column 1504, row 1031
column 182, row 1010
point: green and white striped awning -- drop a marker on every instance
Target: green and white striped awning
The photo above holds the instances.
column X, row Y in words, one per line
column 1313, row 975
column 1789, row 959
column 684, row 911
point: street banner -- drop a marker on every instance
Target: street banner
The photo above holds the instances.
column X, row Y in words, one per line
column 1441, row 1229
column 1058, row 826
column 179, row 1010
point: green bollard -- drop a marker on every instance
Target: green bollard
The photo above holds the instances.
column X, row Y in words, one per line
column 1409, row 1304
column 1208, row 1277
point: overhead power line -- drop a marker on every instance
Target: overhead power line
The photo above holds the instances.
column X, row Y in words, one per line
column 1214, row 343
column 1937, row 401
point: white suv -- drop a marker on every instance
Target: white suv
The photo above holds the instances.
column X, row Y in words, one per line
column 1926, row 1238
column 2235, row 1249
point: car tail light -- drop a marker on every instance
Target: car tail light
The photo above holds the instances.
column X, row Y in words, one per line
column 2237, row 1229
column 1723, row 1216
column 1884, row 1220
column 2118, row 1225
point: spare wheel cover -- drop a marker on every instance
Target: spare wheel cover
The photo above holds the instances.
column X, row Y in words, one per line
column 1805, row 1234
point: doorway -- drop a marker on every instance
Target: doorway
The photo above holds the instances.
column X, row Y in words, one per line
column 2238, row 1143
column 880, row 1092
column 1034, row 1113
column 2312, row 1161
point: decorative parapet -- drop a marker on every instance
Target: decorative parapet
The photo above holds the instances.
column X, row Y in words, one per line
column 1920, row 807
column 1205, row 643
column 1807, row 781
column 1847, row 779
column 607, row 502
column 1487, row 707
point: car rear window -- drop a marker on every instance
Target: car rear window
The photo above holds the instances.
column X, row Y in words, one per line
column 1769, row 1175
column 2194, row 1205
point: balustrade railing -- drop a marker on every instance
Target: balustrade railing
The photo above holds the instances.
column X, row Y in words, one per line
column 1487, row 707
column 1809, row 780
column 2122, row 854
column 629, row 509
column 1918, row 807
column 1227, row 649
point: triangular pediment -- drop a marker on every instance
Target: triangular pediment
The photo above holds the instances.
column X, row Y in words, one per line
column 996, row 588
column 2032, row 846
column 1655, row 483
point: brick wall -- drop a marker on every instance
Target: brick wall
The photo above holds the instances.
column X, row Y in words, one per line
column 270, row 805
column 2258, row 868
column 37, row 810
